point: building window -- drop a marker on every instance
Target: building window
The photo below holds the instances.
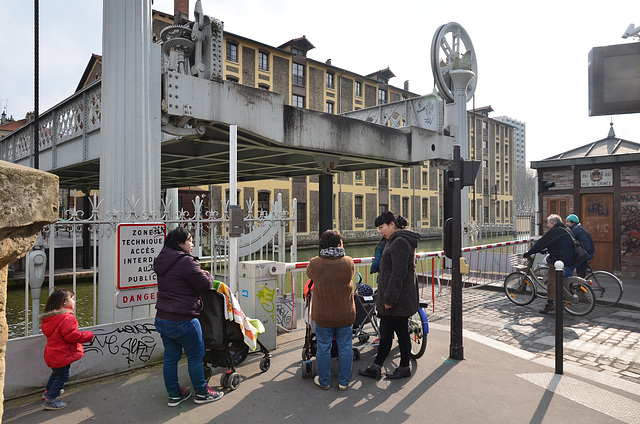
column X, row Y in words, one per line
column 297, row 101
column 485, row 165
column 382, row 97
column 383, row 173
column 263, row 202
column 298, row 52
column 358, row 88
column 232, row 51
column 330, row 80
column 382, row 208
column 486, row 214
column 425, row 208
column 329, row 108
column 405, row 207
column 506, row 209
column 302, row 217
column 233, row 78
column 263, row 86
column 357, row 207
column 298, row 75
column 358, row 175
column 263, row 61
column 498, row 209
column 405, row 176
column 425, row 179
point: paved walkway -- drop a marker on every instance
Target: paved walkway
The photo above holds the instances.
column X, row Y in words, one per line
column 507, row 377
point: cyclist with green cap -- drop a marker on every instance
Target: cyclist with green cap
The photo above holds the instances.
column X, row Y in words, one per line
column 583, row 236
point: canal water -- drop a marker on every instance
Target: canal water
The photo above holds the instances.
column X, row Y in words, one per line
column 84, row 290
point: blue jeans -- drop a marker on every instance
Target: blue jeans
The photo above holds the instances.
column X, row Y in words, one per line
column 568, row 270
column 324, row 336
column 176, row 336
column 58, row 377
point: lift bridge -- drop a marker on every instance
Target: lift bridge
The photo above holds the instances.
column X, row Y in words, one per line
column 196, row 108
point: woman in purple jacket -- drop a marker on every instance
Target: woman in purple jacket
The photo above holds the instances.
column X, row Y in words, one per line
column 180, row 283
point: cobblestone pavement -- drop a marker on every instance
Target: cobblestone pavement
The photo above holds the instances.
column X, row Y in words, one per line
column 607, row 340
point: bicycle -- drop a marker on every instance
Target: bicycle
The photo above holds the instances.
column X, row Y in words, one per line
column 607, row 287
column 521, row 288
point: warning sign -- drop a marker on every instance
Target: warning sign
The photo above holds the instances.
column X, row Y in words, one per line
column 138, row 246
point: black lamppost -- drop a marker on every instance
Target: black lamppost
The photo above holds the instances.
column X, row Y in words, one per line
column 36, row 111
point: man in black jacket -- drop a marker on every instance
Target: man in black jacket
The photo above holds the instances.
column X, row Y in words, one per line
column 558, row 243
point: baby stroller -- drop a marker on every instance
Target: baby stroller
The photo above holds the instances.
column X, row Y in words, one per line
column 366, row 323
column 224, row 341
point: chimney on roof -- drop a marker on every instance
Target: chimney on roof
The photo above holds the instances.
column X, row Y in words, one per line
column 406, row 85
column 328, row 62
column 180, row 11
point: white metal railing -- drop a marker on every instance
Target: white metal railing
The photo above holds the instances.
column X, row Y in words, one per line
column 264, row 238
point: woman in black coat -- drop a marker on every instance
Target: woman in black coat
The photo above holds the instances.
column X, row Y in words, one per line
column 397, row 297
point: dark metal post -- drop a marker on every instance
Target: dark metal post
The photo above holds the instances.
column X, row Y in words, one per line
column 559, row 318
column 325, row 203
column 36, row 88
column 456, row 348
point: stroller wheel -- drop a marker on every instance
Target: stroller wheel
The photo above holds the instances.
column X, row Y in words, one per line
column 363, row 339
column 305, row 353
column 208, row 372
column 314, row 368
column 306, row 369
column 356, row 354
column 265, row 364
column 234, row 381
column 224, row 378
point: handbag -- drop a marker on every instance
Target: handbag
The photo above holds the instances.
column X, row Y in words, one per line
column 579, row 254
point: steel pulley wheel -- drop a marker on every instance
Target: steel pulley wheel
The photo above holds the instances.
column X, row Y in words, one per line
column 451, row 42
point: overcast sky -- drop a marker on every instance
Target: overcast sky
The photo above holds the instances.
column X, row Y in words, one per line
column 532, row 56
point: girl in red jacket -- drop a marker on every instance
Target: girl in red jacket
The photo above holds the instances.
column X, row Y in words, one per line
column 64, row 343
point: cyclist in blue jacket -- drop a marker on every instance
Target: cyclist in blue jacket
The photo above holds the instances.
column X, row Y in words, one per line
column 583, row 236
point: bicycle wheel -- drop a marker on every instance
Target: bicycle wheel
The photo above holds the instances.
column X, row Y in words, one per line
column 542, row 273
column 418, row 334
column 519, row 288
column 583, row 301
column 606, row 287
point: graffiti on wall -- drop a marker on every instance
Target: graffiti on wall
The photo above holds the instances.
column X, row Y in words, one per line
column 598, row 209
column 134, row 342
column 284, row 311
column 630, row 225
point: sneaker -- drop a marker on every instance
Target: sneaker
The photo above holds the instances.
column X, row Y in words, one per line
column 371, row 372
column 183, row 394
column 342, row 388
column 316, row 380
column 209, row 396
column 549, row 307
column 46, row 393
column 53, row 404
column 400, row 372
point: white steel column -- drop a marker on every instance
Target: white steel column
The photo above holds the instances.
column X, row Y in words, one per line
column 130, row 133
column 233, row 200
column 461, row 79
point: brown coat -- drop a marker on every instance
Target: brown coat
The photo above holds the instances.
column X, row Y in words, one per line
column 332, row 299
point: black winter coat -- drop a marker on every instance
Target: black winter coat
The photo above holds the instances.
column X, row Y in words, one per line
column 558, row 243
column 583, row 236
column 397, row 281
column 181, row 281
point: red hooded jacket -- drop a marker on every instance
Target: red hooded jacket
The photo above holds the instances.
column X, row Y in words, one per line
column 64, row 340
